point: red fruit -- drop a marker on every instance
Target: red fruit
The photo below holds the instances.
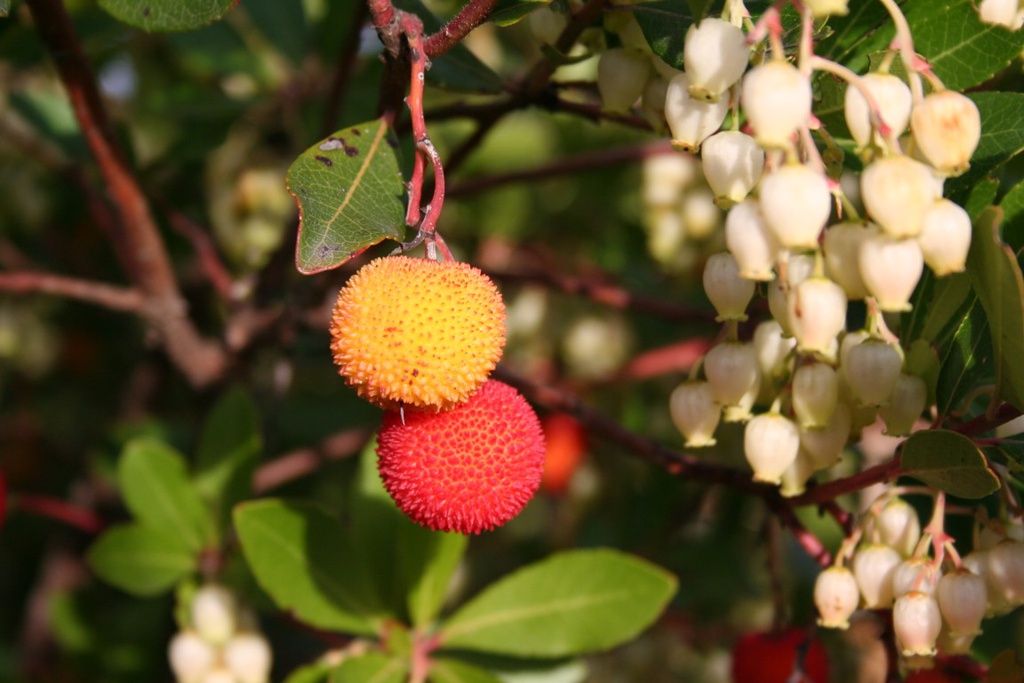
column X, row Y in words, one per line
column 567, row 446
column 770, row 657
column 469, row 469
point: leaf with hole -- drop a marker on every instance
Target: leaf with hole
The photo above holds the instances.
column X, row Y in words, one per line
column 350, row 195
column 948, row 461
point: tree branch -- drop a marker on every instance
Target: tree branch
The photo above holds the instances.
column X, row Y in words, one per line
column 147, row 261
column 102, row 294
column 469, row 17
column 304, row 461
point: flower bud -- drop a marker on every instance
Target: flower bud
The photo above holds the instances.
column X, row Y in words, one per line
column 897, row 192
column 621, row 76
column 732, row 164
column 893, row 99
column 915, row 574
column 731, row 369
column 826, row 445
column 796, row 203
column 905, row 405
column 776, row 98
column 873, row 566
column 841, row 248
column 770, row 443
column 962, row 598
column 715, row 55
column 190, row 657
column 750, row 241
column 945, row 238
column 916, row 621
column 729, row 293
column 214, row 613
column 947, row 128
column 248, row 657
column 695, row 413
column 691, row 121
column 836, row 596
column 815, row 394
column 873, row 369
column 891, row 270
column 817, row 314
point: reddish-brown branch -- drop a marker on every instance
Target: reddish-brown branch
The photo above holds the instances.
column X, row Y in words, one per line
column 808, row 541
column 469, row 17
column 102, row 294
column 59, row 510
column 343, row 68
column 210, row 262
column 985, row 422
column 147, row 260
column 386, row 20
column 580, row 163
column 597, row 113
column 823, row 493
column 305, row 461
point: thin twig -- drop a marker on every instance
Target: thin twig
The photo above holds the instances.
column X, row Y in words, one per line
column 109, row 296
column 451, row 34
column 210, row 262
column 823, row 493
column 60, row 511
column 304, row 461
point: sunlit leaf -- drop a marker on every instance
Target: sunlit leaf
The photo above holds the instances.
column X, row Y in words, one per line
column 168, row 15
column 372, row 667
column 948, row 461
column 445, row 670
column 350, row 195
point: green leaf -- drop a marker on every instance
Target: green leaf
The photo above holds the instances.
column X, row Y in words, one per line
column 141, row 560
column 157, row 490
column 571, row 603
column 376, row 521
column 372, row 667
column 1002, row 137
column 350, row 195
column 699, row 8
column 939, row 302
column 445, row 670
column 168, row 15
column 997, row 279
column 458, row 68
column 949, row 462
column 664, row 24
column 1012, row 226
column 283, row 24
column 967, row 361
column 302, row 558
column 858, row 34
column 427, row 560
column 229, row 447
column 317, row 672
column 508, row 12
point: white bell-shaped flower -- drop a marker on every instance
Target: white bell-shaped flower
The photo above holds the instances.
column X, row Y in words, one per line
column 796, row 203
column 750, row 241
column 795, row 478
column 836, row 596
column 691, row 120
column 771, row 443
column 891, row 269
column 962, row 598
column 1006, row 13
column 815, row 394
column 894, row 101
column 1006, row 571
column 776, row 98
column 191, row 657
column 916, row 621
column 214, row 613
column 873, row 566
column 825, row 445
column 695, row 413
column 841, row 248
column 665, row 176
column 816, row 309
column 946, row 127
column 898, row 526
column 945, row 238
column 715, row 55
column 731, row 369
column 798, row 267
column 915, row 574
column 732, row 164
column 728, row 292
column 872, row 371
column 248, row 657
column 701, row 217
column 906, row 403
column 897, row 192
column 621, row 76
column 773, row 349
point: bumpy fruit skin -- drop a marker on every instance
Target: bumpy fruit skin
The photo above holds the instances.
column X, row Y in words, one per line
column 772, row 657
column 469, row 469
column 417, row 333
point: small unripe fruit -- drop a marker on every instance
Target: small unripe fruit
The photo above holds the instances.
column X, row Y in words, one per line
column 891, row 270
column 815, row 394
column 621, row 76
column 898, row 191
column 836, row 596
column 795, row 202
column 732, row 164
column 817, row 314
column 467, row 470
column 417, row 333
column 873, row 566
column 917, row 621
column 750, row 241
column 894, row 102
column 906, row 403
column 826, row 445
column 729, row 293
column 777, row 100
column 872, row 371
column 771, row 443
column 214, row 613
column 947, row 128
column 715, row 55
column 248, row 657
column 962, row 598
column 898, row 526
column 695, row 413
column 190, row 657
column 691, row 120
column 841, row 248
column 945, row 238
